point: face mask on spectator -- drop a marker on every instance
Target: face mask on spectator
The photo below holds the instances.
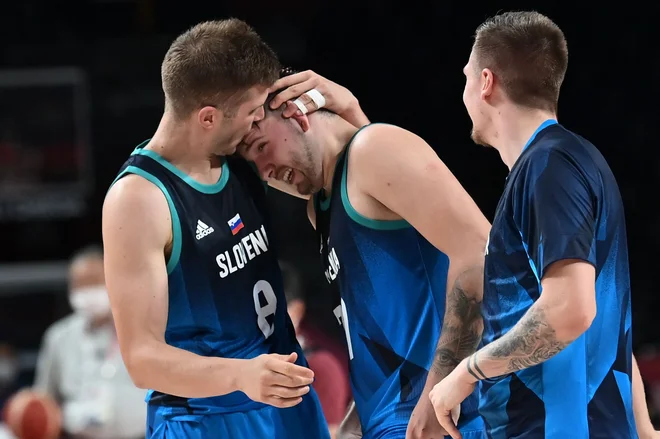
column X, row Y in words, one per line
column 90, row 301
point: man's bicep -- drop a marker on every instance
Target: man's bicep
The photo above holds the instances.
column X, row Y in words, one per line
column 558, row 215
column 135, row 267
column 408, row 177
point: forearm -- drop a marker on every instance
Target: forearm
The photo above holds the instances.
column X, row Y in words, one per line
column 159, row 366
column 544, row 330
column 463, row 324
column 640, row 409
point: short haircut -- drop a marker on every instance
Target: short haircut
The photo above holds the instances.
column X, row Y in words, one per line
column 214, row 63
column 527, row 52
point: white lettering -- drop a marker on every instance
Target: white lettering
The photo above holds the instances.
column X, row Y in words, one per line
column 258, row 242
column 248, row 248
column 232, row 267
column 333, row 266
column 220, row 260
column 263, row 312
column 238, row 254
column 342, row 318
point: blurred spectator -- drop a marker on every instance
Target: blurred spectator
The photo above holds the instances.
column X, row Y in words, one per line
column 80, row 364
column 649, row 369
column 9, row 369
column 330, row 368
column 8, row 373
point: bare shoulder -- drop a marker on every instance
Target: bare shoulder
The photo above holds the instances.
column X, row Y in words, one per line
column 130, row 203
column 382, row 141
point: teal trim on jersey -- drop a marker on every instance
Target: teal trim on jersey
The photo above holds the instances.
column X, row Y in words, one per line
column 176, row 224
column 324, row 202
column 354, row 214
column 543, row 126
column 203, row 188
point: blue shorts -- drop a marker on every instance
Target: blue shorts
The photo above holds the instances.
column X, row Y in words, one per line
column 304, row 421
column 474, row 429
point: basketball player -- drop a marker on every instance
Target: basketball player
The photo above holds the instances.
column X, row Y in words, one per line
column 390, row 217
column 557, row 357
column 194, row 283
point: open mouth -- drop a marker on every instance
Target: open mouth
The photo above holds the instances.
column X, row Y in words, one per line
column 288, row 176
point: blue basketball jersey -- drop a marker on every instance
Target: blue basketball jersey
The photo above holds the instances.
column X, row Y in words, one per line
column 561, row 201
column 226, row 296
column 390, row 283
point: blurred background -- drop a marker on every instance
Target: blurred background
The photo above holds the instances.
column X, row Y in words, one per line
column 80, row 88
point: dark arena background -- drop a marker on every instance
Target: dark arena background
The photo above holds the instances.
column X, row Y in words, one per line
column 80, row 88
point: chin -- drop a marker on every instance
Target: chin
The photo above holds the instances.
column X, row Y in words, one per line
column 304, row 188
column 478, row 138
column 226, row 150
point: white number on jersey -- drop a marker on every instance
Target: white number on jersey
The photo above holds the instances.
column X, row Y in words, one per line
column 342, row 318
column 263, row 312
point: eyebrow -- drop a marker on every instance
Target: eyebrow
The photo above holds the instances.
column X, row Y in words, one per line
column 249, row 145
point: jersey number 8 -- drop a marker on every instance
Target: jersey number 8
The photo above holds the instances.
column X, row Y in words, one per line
column 263, row 312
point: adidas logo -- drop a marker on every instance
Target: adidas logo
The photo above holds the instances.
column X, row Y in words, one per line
column 202, row 230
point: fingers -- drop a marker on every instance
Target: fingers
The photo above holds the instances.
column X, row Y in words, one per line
column 288, row 392
column 290, row 110
column 282, row 403
column 290, row 80
column 293, row 92
column 447, row 423
column 453, row 432
column 294, row 86
column 278, row 379
column 291, row 358
column 286, row 373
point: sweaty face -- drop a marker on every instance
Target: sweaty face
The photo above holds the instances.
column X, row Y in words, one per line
column 232, row 129
column 473, row 102
column 284, row 155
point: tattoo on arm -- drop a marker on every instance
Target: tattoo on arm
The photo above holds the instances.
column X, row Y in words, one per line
column 463, row 324
column 531, row 341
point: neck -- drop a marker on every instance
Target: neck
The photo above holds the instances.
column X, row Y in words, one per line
column 513, row 127
column 333, row 134
column 176, row 142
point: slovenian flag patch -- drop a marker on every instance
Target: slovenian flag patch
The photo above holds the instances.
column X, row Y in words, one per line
column 235, row 224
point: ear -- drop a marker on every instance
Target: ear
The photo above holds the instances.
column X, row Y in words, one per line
column 208, row 117
column 302, row 120
column 487, row 81
column 291, row 110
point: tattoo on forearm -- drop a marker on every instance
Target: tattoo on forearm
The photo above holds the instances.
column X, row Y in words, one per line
column 471, row 362
column 530, row 342
column 463, row 324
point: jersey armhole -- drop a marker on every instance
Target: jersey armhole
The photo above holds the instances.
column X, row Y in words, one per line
column 348, row 207
column 173, row 260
